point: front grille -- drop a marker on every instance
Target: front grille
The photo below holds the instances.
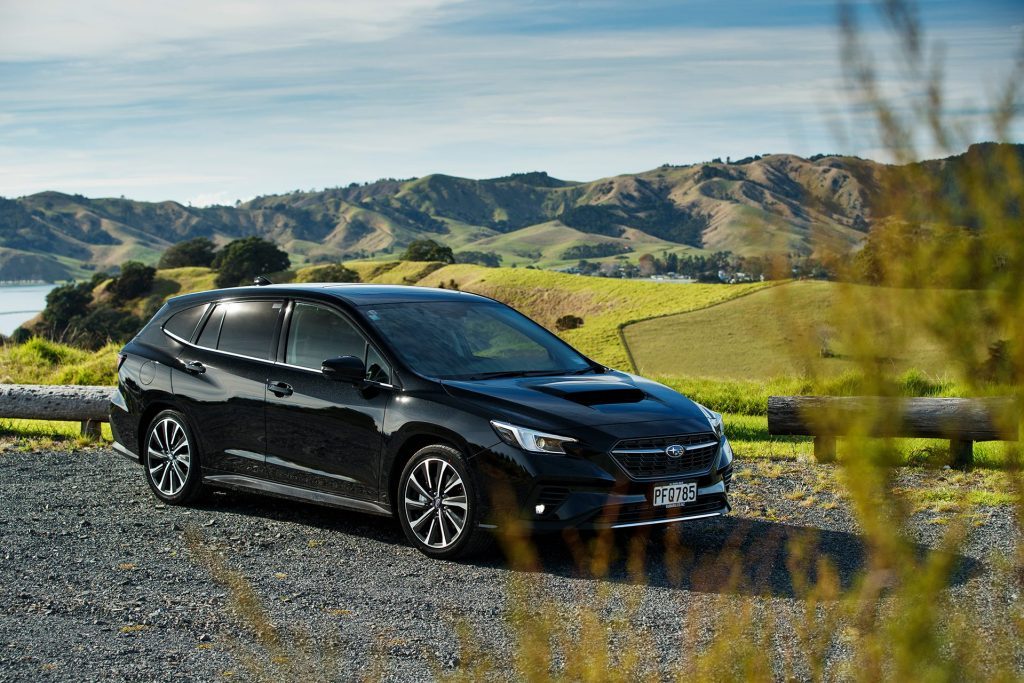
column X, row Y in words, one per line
column 646, row 458
column 645, row 512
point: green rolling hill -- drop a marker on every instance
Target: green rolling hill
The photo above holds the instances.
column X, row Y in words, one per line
column 775, row 204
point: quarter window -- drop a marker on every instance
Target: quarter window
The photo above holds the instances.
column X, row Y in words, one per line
column 183, row 323
column 316, row 334
column 211, row 331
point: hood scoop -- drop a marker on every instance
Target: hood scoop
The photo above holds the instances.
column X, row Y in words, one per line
column 591, row 393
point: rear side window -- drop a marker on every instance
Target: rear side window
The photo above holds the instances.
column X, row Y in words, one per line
column 183, row 323
column 248, row 328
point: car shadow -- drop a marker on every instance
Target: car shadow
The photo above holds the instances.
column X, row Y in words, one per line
column 728, row 555
column 376, row 527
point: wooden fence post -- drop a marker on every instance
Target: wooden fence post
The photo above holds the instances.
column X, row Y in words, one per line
column 961, row 453
column 825, row 448
column 92, row 429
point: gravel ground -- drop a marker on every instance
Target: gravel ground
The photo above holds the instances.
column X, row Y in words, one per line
column 99, row 583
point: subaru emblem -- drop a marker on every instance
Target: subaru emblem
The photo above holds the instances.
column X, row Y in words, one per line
column 675, row 451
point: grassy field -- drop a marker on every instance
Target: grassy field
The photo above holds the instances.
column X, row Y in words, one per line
column 782, row 333
column 393, row 272
column 39, row 361
column 605, row 304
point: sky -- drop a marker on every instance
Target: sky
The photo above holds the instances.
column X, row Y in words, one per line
column 210, row 102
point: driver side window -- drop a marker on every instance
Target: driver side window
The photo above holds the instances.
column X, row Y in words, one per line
column 316, row 334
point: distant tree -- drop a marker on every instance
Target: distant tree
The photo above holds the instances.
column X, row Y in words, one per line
column 65, row 303
column 428, row 250
column 135, row 280
column 581, row 251
column 489, row 259
column 242, row 260
column 334, row 272
column 197, row 252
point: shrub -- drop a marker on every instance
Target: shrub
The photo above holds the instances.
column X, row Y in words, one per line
column 568, row 322
column 334, row 272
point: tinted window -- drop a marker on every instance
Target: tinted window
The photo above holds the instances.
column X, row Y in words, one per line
column 211, row 331
column 183, row 323
column 249, row 327
column 316, row 334
column 461, row 339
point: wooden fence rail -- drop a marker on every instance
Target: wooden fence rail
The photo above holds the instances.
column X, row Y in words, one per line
column 961, row 420
column 86, row 404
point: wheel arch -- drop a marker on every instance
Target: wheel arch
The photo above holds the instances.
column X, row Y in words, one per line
column 412, row 439
column 152, row 410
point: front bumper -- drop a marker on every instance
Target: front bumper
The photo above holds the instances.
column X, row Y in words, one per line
column 591, row 510
column 585, row 493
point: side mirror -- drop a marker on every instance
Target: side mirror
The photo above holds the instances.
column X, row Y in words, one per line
column 344, row 369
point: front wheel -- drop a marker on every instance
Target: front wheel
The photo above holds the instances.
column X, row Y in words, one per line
column 438, row 505
column 172, row 459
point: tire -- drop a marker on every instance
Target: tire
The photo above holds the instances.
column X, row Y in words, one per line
column 428, row 517
column 171, row 459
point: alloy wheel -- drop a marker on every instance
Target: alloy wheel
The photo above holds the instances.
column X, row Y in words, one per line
column 436, row 504
column 170, row 456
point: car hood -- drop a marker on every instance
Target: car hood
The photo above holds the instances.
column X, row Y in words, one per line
column 610, row 398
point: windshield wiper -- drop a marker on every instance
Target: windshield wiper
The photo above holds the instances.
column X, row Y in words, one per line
column 593, row 367
column 514, row 373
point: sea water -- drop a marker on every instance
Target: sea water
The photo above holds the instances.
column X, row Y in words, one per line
column 20, row 303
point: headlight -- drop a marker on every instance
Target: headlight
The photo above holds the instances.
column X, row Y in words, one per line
column 714, row 418
column 529, row 439
column 725, row 459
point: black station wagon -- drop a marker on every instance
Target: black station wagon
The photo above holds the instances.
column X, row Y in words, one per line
column 451, row 411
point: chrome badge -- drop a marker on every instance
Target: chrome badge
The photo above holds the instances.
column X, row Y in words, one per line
column 675, row 450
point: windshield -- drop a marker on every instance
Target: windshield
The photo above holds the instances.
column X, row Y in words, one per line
column 463, row 340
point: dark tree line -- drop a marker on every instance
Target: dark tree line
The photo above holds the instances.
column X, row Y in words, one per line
column 598, row 250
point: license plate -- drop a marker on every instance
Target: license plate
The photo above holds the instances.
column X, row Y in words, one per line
column 675, row 495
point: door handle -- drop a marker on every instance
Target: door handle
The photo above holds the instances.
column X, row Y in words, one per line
column 195, row 367
column 279, row 388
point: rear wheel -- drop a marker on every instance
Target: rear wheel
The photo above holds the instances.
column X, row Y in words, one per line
column 438, row 504
column 172, row 459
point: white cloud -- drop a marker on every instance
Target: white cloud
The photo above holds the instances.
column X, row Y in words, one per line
column 51, row 29
column 224, row 106
column 221, row 197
